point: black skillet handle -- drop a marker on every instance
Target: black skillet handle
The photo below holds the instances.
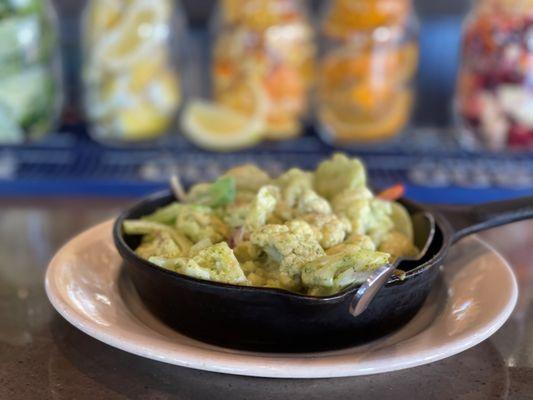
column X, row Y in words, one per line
column 465, row 220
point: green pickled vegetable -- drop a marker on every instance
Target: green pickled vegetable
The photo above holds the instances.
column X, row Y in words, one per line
column 29, row 85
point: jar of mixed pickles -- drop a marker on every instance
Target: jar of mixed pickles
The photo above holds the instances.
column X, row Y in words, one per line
column 369, row 56
column 30, row 70
column 263, row 59
column 494, row 98
column 131, row 74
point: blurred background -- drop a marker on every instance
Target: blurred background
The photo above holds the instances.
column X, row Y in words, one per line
column 109, row 98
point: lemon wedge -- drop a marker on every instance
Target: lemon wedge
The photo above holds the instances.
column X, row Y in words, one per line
column 226, row 126
column 215, row 127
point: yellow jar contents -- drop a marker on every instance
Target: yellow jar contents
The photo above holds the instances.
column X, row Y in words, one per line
column 132, row 88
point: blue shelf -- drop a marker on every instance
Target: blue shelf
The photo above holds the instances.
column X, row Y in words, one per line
column 432, row 167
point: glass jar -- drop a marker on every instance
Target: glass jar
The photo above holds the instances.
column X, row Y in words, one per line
column 131, row 74
column 494, row 96
column 30, row 70
column 369, row 56
column 263, row 57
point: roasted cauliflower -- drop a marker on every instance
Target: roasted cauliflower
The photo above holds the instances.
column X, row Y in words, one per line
column 309, row 232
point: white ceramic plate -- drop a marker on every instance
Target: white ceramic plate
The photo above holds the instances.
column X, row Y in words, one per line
column 476, row 295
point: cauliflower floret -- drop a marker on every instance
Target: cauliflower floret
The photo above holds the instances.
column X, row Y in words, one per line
column 292, row 184
column 302, row 229
column 248, row 177
column 261, row 208
column 344, row 200
column 295, row 178
column 300, row 203
column 290, row 246
column 357, row 212
column 330, row 229
column 398, row 245
column 310, row 202
column 367, row 216
column 251, row 210
column 199, row 222
column 221, row 263
column 338, row 174
column 298, row 197
column 352, row 265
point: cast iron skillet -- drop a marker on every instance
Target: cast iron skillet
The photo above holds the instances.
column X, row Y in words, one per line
column 275, row 320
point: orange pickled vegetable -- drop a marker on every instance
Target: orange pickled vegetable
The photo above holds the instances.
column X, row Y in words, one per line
column 284, row 81
column 365, row 79
column 393, row 193
column 347, row 16
column 350, row 126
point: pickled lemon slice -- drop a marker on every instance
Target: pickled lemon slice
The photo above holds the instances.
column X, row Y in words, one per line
column 148, row 69
column 101, row 16
column 353, row 127
column 216, row 127
column 140, row 32
column 112, row 94
column 142, row 123
column 164, row 92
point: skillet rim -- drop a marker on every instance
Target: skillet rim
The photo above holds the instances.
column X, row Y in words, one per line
column 128, row 255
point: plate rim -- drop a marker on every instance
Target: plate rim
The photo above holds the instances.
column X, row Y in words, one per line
column 200, row 357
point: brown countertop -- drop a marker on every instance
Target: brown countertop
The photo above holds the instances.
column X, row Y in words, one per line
column 44, row 357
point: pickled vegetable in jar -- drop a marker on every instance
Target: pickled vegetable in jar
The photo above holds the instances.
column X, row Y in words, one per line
column 131, row 70
column 30, row 70
column 264, row 59
column 368, row 60
column 494, row 98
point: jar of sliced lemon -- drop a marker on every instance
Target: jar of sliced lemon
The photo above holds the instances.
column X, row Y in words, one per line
column 131, row 74
column 262, row 71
